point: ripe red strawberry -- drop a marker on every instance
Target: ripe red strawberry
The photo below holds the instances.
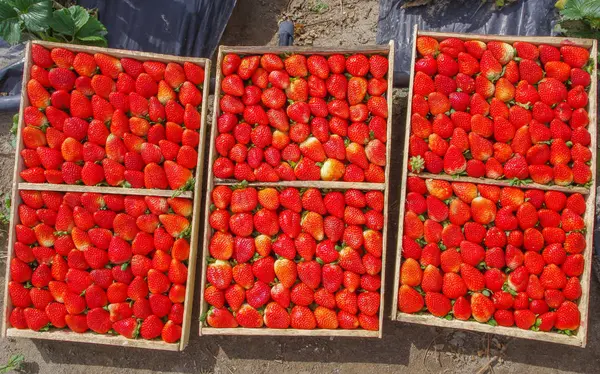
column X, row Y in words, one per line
column 108, row 65
column 576, row 57
column 409, row 300
column 221, row 317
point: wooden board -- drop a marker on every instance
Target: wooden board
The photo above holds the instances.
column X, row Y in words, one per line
column 196, row 195
column 578, row 339
column 339, row 185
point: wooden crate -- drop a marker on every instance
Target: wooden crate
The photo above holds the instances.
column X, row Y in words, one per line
column 212, row 182
column 578, row 339
column 196, row 195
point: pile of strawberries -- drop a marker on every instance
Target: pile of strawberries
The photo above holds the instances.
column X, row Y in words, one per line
column 288, row 258
column 111, row 264
column 501, row 256
column 302, row 118
column 98, row 119
column 501, row 111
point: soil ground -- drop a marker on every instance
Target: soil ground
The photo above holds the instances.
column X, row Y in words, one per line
column 404, row 348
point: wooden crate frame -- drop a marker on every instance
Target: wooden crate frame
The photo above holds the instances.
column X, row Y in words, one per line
column 195, row 195
column 579, row 339
column 388, row 50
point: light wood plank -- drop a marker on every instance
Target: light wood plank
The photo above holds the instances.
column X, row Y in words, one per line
column 209, row 186
column 309, row 184
column 15, row 198
column 556, row 41
column 502, row 183
column 402, row 177
column 91, row 338
column 192, row 262
column 590, row 214
column 290, row 332
column 120, row 53
column 430, row 320
column 305, row 50
column 101, row 189
column 386, row 200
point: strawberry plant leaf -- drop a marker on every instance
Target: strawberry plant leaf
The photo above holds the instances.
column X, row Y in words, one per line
column 92, row 31
column 68, row 21
column 576, row 10
column 76, row 25
column 10, row 28
column 16, row 16
column 34, row 13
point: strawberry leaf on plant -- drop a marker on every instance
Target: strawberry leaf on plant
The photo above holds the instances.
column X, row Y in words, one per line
column 75, row 25
column 17, row 16
column 576, row 10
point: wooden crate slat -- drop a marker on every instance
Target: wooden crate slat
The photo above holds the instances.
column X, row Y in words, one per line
column 191, row 283
column 590, row 213
column 70, row 336
column 337, row 185
column 430, row 320
column 312, row 184
column 291, row 332
column 402, row 197
column 15, row 198
column 196, row 195
column 104, row 190
column 555, row 41
column 580, row 338
column 503, row 183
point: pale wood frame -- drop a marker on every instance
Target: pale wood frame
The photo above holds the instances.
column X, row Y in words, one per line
column 212, row 181
column 580, row 338
column 18, row 185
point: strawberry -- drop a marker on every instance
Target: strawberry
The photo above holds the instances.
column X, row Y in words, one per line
column 576, row 57
column 467, row 64
column 452, row 46
column 567, row 316
column 232, row 62
column 552, row 91
column 41, row 56
column 437, row 304
column 423, row 84
column 108, row 65
column 427, row 46
column 35, row 319
column 447, row 65
column 438, row 103
column 219, row 274
column 409, row 300
column 572, row 290
column 62, row 57
column 489, row 66
column 530, row 71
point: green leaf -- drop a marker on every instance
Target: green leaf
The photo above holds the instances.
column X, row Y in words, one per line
column 35, row 14
column 69, row 21
column 92, row 27
column 98, row 41
column 10, row 28
column 15, row 362
column 19, row 15
column 581, row 9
